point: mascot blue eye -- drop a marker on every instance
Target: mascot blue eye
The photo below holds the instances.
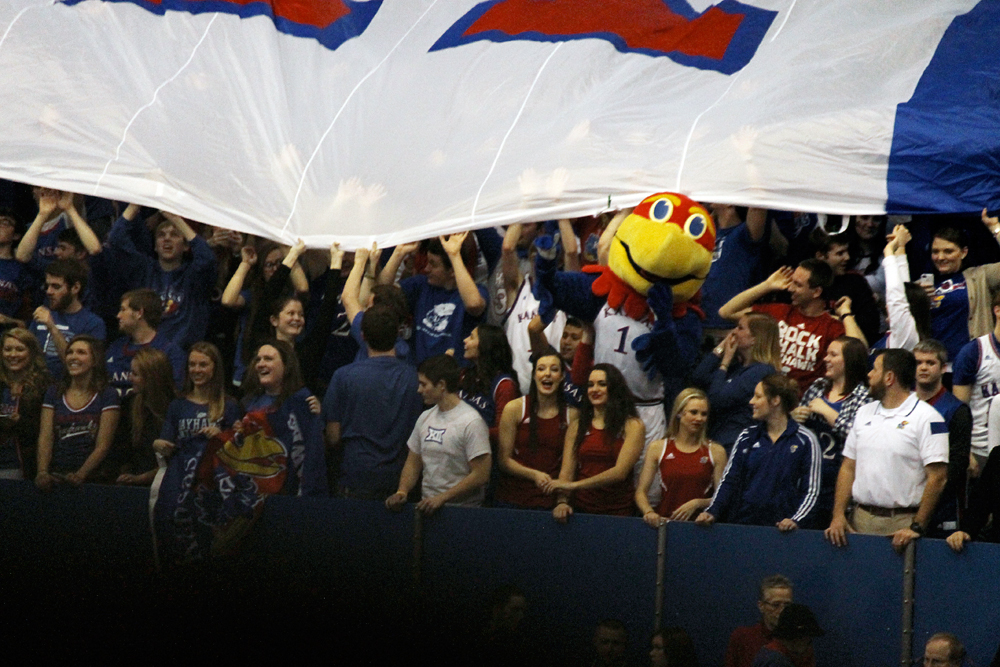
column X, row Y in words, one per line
column 696, row 225
column 661, row 210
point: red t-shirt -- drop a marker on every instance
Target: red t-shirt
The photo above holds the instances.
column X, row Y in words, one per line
column 803, row 341
column 594, row 457
column 684, row 476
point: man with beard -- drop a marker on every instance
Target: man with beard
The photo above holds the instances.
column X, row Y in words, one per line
column 54, row 326
column 895, row 458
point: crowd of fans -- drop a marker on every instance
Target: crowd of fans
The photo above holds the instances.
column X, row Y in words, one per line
column 127, row 331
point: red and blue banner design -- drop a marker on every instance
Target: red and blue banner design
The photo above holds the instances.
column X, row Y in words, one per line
column 723, row 38
column 330, row 22
column 214, row 489
column 945, row 137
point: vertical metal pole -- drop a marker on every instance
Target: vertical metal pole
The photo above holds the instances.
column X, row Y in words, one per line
column 909, row 575
column 418, row 548
column 661, row 567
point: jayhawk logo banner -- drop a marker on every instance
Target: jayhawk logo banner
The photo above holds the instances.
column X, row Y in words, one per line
column 397, row 120
column 213, row 490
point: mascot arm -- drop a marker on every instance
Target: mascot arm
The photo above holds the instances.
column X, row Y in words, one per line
column 673, row 344
column 555, row 290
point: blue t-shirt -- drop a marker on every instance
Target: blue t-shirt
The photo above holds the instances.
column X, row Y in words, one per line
column 76, row 430
column 69, row 324
column 48, row 239
column 376, row 403
column 950, row 313
column 186, row 419
column 402, row 347
column 15, row 280
column 733, row 248
column 440, row 322
column 123, row 350
column 186, row 291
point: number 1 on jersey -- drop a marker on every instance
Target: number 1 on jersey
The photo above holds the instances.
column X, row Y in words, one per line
column 621, row 343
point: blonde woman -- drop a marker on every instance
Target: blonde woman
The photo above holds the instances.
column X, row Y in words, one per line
column 24, row 378
column 729, row 374
column 690, row 465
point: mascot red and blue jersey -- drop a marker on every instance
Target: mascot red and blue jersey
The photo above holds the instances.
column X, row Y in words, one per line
column 642, row 304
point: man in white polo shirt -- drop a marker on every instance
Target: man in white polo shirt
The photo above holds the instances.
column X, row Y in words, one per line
column 895, row 458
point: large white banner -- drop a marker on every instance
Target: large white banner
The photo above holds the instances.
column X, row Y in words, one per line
column 394, row 120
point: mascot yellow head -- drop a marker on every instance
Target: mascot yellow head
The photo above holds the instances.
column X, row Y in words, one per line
column 668, row 238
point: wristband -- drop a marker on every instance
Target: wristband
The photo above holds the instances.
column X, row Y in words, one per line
column 917, row 528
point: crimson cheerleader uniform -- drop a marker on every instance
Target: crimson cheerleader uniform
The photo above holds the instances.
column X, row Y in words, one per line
column 594, row 457
column 684, row 476
column 546, row 457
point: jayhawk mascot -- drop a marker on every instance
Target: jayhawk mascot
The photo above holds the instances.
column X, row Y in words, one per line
column 642, row 304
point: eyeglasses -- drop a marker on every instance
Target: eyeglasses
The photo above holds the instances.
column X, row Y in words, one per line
column 776, row 605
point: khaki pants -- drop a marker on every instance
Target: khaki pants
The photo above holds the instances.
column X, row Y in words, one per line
column 867, row 523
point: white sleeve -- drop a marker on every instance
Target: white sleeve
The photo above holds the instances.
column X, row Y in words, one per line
column 851, row 444
column 902, row 327
column 477, row 438
column 413, row 443
column 993, row 425
column 934, row 443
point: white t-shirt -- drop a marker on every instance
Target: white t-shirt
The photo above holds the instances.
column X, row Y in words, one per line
column 891, row 448
column 446, row 442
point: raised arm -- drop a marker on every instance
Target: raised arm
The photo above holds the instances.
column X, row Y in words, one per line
column 181, row 224
column 87, row 236
column 739, row 304
column 571, row 250
column 388, row 274
column 902, row 326
column 756, row 223
column 509, row 264
column 231, row 297
column 474, row 302
column 843, row 310
column 48, row 202
column 351, row 296
column 604, row 242
column 297, row 276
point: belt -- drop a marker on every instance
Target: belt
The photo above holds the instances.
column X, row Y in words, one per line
column 887, row 511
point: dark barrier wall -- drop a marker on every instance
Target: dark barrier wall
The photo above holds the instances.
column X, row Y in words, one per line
column 959, row 593
column 357, row 555
column 855, row 592
column 574, row 575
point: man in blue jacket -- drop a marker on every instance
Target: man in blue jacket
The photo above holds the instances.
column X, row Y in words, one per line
column 773, row 474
